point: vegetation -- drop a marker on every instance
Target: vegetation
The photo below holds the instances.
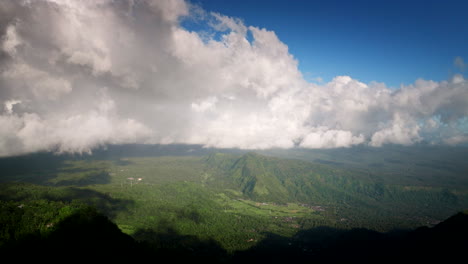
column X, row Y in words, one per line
column 225, row 201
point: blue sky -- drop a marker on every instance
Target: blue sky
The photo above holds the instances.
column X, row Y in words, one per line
column 393, row 42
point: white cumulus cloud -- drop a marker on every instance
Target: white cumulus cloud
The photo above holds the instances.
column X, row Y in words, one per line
column 75, row 75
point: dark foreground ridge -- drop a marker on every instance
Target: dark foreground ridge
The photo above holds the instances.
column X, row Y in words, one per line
column 88, row 235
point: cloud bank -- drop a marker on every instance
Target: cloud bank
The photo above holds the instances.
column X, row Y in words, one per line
column 75, row 75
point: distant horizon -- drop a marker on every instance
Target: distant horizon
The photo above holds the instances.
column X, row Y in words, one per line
column 142, row 149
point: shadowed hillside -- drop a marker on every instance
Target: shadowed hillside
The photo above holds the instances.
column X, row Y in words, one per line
column 87, row 234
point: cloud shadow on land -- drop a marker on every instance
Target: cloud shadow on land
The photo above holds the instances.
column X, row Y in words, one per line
column 35, row 168
column 104, row 203
column 446, row 242
column 89, row 234
column 51, row 170
column 165, row 241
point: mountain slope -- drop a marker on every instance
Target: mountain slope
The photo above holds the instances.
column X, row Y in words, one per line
column 262, row 177
column 257, row 177
column 268, row 178
column 351, row 195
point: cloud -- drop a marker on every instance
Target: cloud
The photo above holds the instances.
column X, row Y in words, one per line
column 459, row 63
column 9, row 105
column 38, row 83
column 59, row 132
column 206, row 105
column 330, row 138
column 398, row 131
column 75, row 75
column 10, row 41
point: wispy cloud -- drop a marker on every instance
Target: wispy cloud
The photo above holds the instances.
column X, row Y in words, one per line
column 459, row 63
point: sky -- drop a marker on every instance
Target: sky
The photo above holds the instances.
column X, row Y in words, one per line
column 394, row 42
column 78, row 75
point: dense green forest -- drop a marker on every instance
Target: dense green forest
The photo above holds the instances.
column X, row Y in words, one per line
column 228, row 202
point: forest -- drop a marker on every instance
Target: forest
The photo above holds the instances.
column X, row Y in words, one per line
column 231, row 205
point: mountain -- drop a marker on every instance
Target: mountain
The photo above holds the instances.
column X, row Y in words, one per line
column 349, row 193
column 258, row 177
column 262, row 177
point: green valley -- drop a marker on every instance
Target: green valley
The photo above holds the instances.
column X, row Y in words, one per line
column 235, row 199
